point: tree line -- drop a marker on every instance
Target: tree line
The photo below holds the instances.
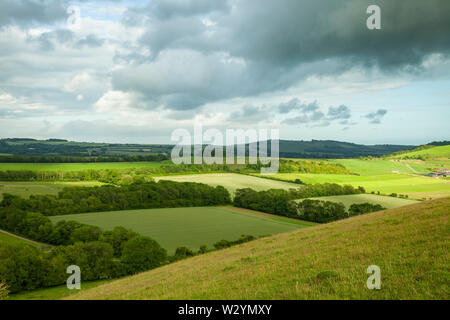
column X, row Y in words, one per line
column 162, row 194
column 282, row 202
column 78, row 159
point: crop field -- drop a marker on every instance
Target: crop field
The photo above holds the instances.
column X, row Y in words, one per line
column 190, row 227
column 386, row 202
column 415, row 187
column 25, row 189
column 232, row 181
column 80, row 166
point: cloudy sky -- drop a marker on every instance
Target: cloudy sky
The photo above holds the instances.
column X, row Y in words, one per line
column 133, row 71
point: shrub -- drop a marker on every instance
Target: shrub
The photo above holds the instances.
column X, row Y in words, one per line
column 142, row 253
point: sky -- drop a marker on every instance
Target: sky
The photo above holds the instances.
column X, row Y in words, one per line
column 134, row 71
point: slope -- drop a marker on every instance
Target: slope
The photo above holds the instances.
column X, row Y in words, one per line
column 410, row 244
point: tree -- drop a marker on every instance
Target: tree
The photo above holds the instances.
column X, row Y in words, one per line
column 182, row 253
column 142, row 253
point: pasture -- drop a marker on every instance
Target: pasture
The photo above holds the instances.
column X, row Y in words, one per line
column 190, row 227
column 416, row 187
column 432, row 153
column 10, row 239
column 348, row 200
column 80, row 166
column 25, row 189
column 232, row 181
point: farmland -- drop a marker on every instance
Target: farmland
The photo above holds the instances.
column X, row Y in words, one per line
column 191, row 227
column 430, row 153
column 25, row 189
column 323, row 262
column 80, row 166
column 384, row 201
column 233, row 181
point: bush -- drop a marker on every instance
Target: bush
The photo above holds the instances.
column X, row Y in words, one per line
column 361, row 208
column 142, row 253
column 182, row 253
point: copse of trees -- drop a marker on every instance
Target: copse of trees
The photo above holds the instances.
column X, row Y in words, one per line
column 319, row 211
column 162, row 194
column 282, row 202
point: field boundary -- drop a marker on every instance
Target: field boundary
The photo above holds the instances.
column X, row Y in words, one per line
column 41, row 244
column 270, row 216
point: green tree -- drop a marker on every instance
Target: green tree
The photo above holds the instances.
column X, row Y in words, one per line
column 142, row 253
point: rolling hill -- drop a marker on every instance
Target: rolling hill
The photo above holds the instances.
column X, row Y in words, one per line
column 410, row 245
column 323, row 149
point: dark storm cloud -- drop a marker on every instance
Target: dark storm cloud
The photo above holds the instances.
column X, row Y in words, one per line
column 375, row 117
column 28, row 12
column 257, row 48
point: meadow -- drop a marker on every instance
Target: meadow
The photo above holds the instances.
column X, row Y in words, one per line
column 409, row 244
column 384, row 201
column 190, row 227
column 80, row 166
column 10, row 239
column 435, row 152
column 25, row 189
column 232, row 181
column 415, row 187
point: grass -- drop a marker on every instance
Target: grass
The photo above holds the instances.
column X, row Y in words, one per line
column 233, row 181
column 386, row 202
column 11, row 239
column 410, row 244
column 190, row 227
column 80, row 166
column 25, row 189
column 435, row 152
column 54, row 293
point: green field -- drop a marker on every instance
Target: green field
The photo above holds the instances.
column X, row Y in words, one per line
column 9, row 239
column 416, row 187
column 54, row 293
column 25, row 189
column 190, row 227
column 410, row 245
column 435, row 152
column 233, row 181
column 80, row 166
column 386, row 202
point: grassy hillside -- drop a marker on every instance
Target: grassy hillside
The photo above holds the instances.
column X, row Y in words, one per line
column 386, row 202
column 428, row 153
column 190, row 227
column 233, row 181
column 410, row 244
column 10, row 239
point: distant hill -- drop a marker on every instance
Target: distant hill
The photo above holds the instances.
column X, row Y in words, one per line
column 321, row 149
column 410, row 245
column 426, row 152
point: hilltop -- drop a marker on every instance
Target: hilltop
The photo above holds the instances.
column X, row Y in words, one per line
column 410, row 244
column 321, row 149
